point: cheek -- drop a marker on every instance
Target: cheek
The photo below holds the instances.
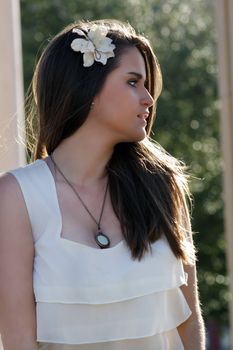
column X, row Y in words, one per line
column 115, row 94
column 114, row 102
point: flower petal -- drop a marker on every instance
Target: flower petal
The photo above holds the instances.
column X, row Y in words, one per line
column 88, row 59
column 103, row 56
column 106, row 46
column 97, row 33
column 78, row 31
column 82, row 45
column 109, row 54
column 79, row 44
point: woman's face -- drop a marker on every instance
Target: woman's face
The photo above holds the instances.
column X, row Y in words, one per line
column 122, row 107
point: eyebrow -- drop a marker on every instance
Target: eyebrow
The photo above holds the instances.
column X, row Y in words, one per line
column 138, row 75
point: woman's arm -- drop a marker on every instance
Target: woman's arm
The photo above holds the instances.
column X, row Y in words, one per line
column 17, row 305
column 192, row 331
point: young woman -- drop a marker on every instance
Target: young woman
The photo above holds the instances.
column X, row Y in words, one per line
column 96, row 249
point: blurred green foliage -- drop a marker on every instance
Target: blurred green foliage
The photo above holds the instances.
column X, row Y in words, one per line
column 183, row 35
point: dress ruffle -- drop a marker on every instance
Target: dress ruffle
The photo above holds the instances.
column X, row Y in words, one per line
column 123, row 299
column 104, row 279
column 162, row 341
column 135, row 318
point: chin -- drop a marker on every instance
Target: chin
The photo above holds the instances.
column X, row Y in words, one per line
column 134, row 137
column 139, row 136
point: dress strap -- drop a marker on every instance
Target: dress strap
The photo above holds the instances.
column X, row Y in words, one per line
column 38, row 191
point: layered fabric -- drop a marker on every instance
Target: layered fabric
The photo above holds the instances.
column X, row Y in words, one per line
column 89, row 298
column 163, row 341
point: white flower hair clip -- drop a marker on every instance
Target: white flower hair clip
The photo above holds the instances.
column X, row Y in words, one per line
column 95, row 47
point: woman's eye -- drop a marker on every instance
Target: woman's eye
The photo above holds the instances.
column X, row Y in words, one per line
column 132, row 82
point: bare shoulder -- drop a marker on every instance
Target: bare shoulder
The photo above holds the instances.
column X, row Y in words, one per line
column 16, row 266
column 15, row 226
column 14, row 218
column 9, row 187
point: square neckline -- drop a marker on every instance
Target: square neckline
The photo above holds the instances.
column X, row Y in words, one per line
column 58, row 209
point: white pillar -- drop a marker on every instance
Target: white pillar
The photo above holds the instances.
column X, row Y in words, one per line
column 12, row 151
column 224, row 16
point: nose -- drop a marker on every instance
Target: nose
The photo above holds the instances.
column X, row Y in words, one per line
column 147, row 100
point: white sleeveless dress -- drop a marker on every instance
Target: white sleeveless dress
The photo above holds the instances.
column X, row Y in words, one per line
column 95, row 299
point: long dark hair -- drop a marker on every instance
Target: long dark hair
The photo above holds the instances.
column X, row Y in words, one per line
column 148, row 187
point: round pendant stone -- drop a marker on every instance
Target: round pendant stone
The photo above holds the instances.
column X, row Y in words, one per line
column 102, row 240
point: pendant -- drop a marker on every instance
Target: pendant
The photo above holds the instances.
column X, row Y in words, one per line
column 102, row 240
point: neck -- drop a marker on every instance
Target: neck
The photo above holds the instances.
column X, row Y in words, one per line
column 83, row 158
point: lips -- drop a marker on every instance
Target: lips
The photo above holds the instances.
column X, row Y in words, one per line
column 143, row 116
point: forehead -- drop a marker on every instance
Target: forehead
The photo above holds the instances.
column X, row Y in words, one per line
column 132, row 60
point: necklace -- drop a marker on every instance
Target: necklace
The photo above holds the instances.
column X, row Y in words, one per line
column 101, row 239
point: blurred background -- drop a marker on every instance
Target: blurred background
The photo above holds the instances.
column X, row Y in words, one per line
column 183, row 35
